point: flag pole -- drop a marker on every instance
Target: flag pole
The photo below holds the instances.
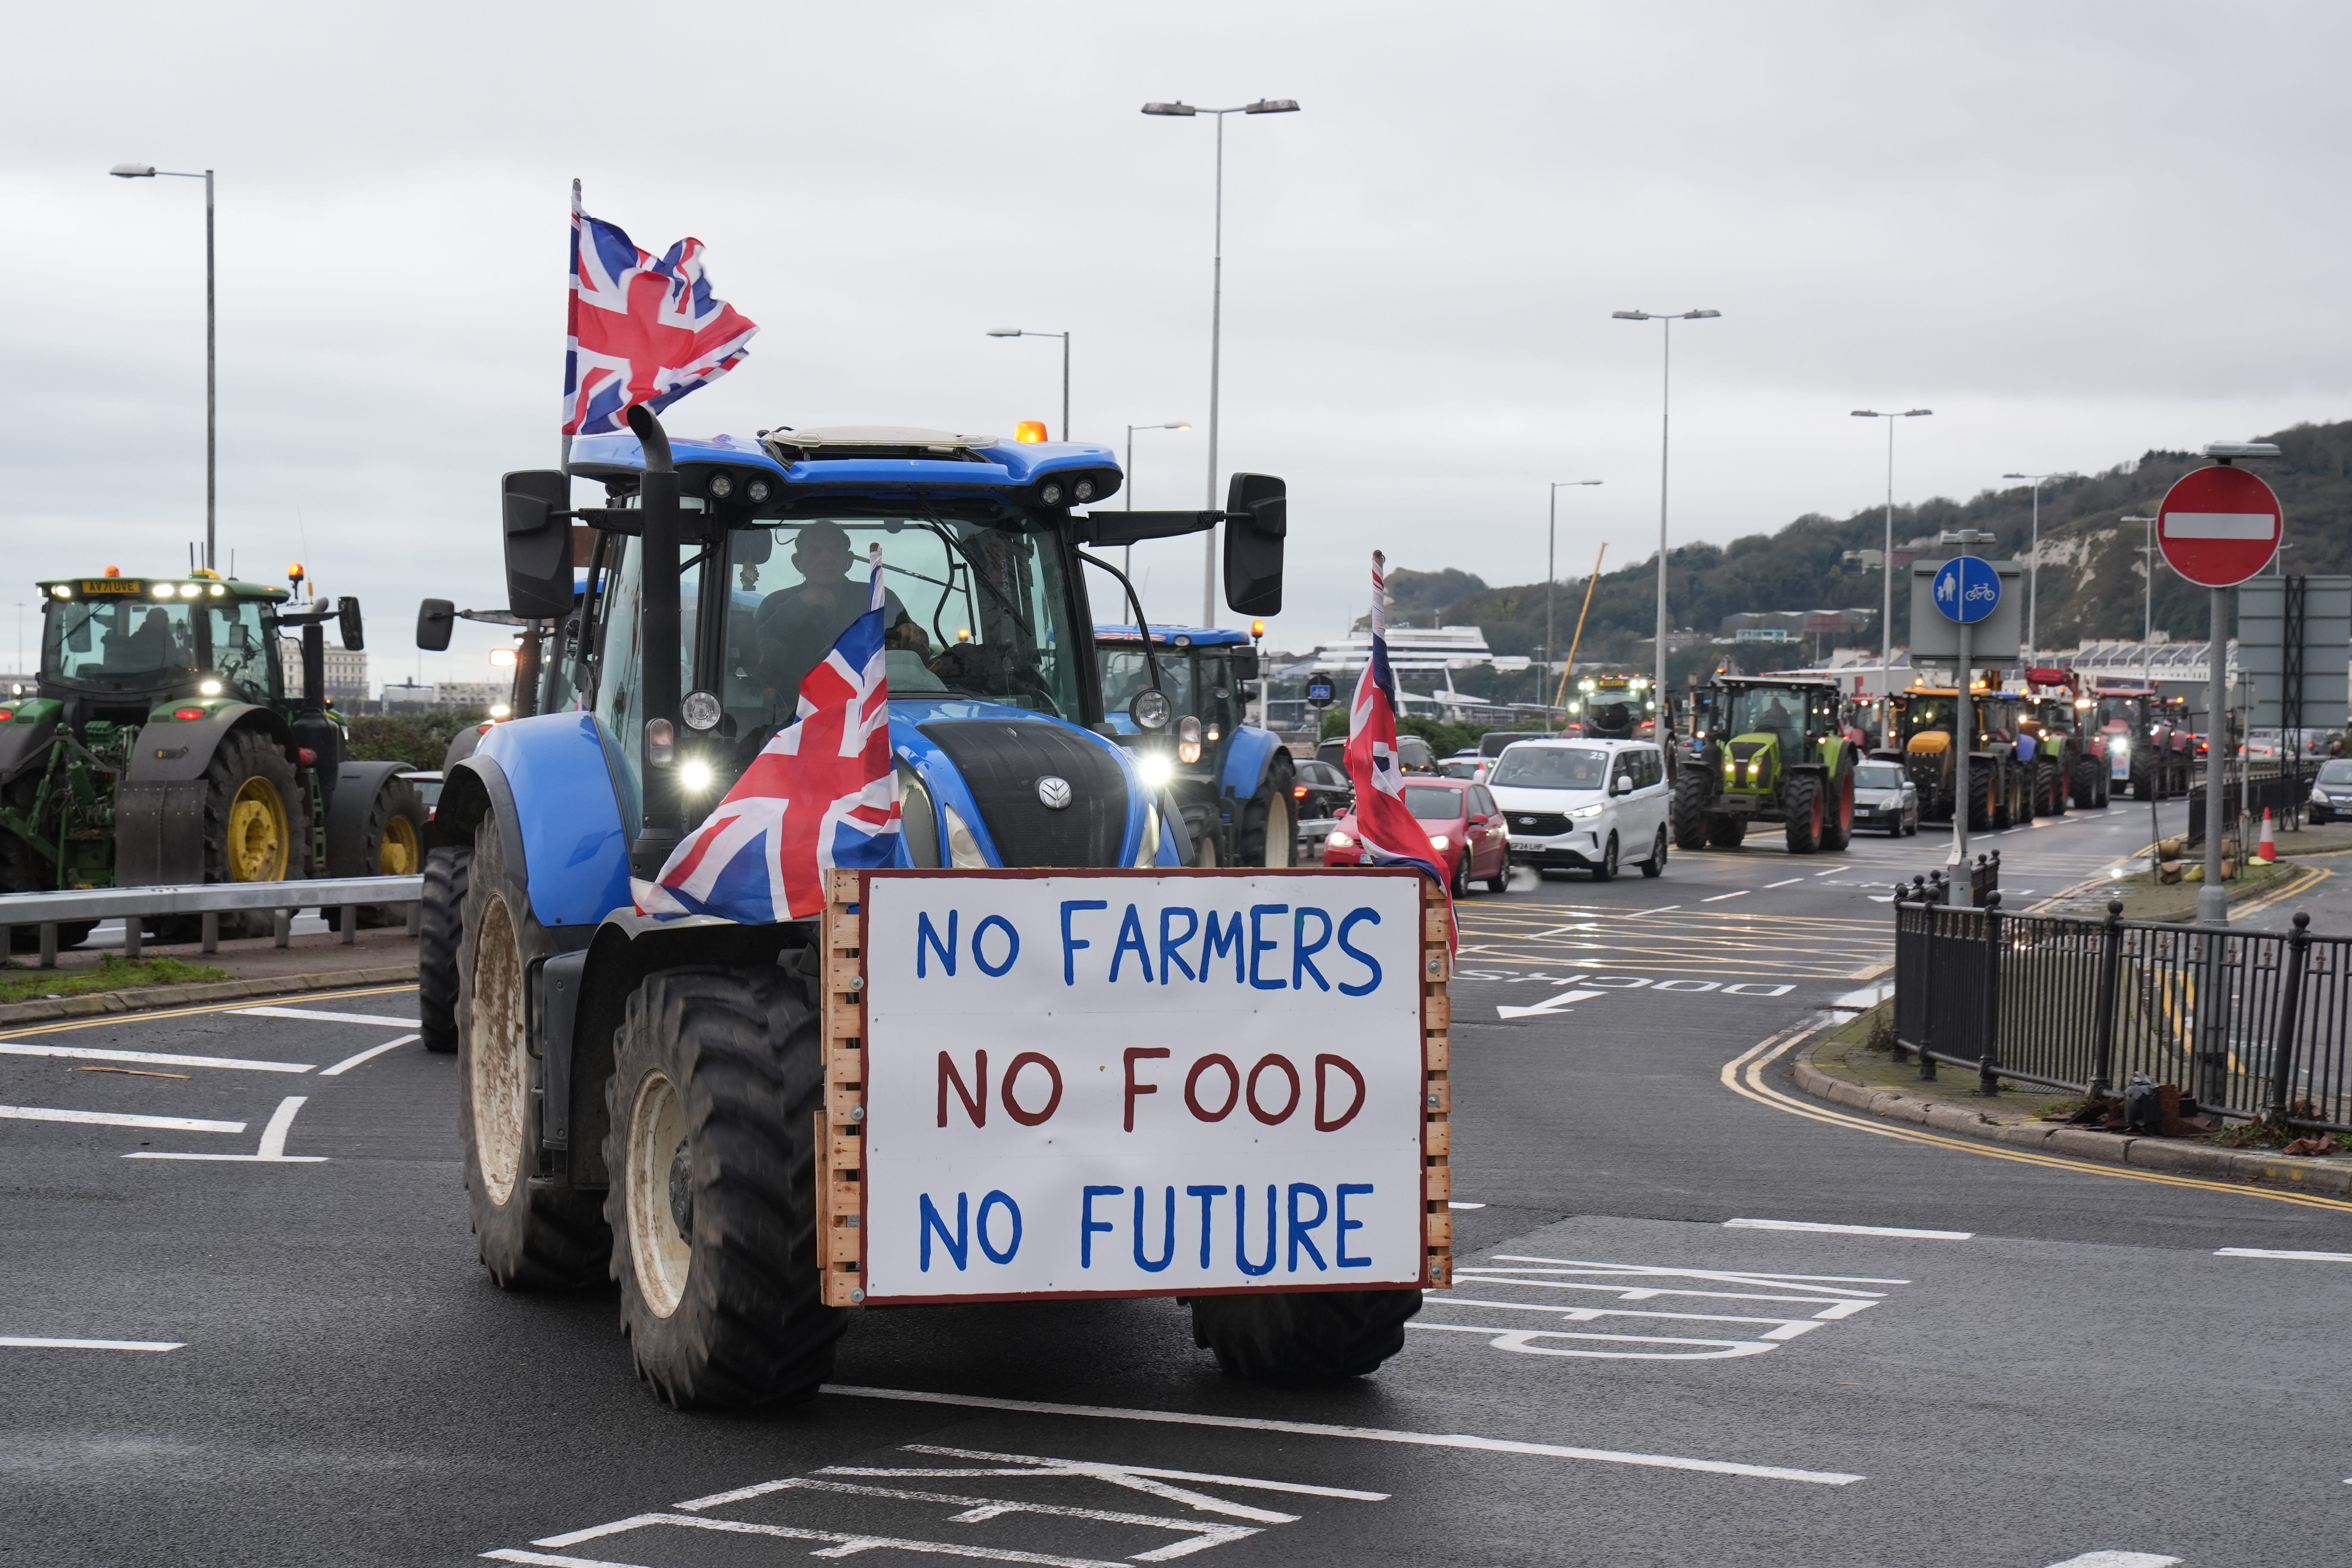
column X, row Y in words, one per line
column 566, row 462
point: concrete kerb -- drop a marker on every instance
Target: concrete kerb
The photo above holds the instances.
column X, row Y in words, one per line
column 147, row 998
column 2175, row 1156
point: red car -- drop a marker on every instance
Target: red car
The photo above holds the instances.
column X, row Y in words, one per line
column 1464, row 826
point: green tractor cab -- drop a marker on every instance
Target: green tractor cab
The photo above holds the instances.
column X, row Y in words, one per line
column 1764, row 749
column 160, row 746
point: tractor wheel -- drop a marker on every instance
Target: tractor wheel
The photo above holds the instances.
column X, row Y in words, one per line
column 2144, row 779
column 393, row 844
column 1269, row 829
column 1655, row 866
column 256, row 829
column 1303, row 1336
column 532, row 1232
column 1801, row 812
column 718, row 1076
column 24, row 871
column 1837, row 813
column 440, row 926
column 1726, row 830
column 2086, row 784
column 2052, row 774
column 1981, row 802
column 1692, row 790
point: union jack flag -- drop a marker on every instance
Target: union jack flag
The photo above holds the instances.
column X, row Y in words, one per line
column 640, row 329
column 818, row 796
column 1388, row 833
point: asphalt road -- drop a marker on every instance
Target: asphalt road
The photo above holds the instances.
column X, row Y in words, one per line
column 1626, row 1373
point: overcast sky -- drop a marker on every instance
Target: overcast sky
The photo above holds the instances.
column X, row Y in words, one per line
column 2074, row 231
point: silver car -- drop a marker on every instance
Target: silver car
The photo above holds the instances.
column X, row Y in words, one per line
column 1884, row 797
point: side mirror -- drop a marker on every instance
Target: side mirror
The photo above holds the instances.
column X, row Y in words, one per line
column 436, row 619
column 1621, row 784
column 347, row 614
column 535, row 503
column 1257, row 521
column 1244, row 665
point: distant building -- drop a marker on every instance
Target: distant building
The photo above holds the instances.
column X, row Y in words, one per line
column 346, row 673
column 410, row 697
column 472, row 693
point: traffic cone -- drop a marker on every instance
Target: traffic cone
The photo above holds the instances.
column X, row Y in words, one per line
column 2268, row 850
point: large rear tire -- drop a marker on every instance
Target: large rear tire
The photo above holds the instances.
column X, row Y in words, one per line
column 1303, row 1336
column 717, row 1078
column 257, row 829
column 1693, row 789
column 2087, row 772
column 1837, row 813
column 1800, row 813
column 1269, row 829
column 391, row 844
column 440, row 927
column 532, row 1232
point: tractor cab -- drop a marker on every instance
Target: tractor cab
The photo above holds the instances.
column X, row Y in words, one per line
column 114, row 647
column 1220, row 772
column 1767, row 749
column 1614, row 707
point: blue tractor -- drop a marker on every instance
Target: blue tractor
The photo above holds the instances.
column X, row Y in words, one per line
column 638, row 1098
column 1232, row 781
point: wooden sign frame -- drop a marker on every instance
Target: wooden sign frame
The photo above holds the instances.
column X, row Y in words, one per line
column 840, row 1148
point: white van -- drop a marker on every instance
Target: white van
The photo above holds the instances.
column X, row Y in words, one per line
column 1584, row 805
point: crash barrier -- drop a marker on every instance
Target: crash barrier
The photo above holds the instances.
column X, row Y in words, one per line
column 1936, row 888
column 2250, row 1023
column 342, row 898
column 2283, row 791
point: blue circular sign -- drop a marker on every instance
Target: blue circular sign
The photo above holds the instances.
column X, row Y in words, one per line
column 1319, row 691
column 1967, row 589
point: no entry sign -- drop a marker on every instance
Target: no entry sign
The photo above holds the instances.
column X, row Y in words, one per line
column 2219, row 526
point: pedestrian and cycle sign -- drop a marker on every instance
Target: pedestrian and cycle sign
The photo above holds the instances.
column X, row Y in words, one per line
column 1966, row 590
column 1318, row 692
column 2219, row 526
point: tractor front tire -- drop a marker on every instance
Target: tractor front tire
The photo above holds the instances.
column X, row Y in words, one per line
column 718, row 1075
column 1837, row 813
column 1269, row 829
column 440, row 927
column 1801, row 812
column 2086, row 784
column 1692, row 792
column 1303, row 1336
column 532, row 1232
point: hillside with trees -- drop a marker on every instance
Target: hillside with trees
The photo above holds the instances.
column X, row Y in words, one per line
column 2091, row 574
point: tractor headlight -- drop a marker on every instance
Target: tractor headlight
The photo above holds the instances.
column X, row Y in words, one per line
column 1154, row 770
column 2119, row 747
column 208, row 688
column 695, row 776
column 963, row 849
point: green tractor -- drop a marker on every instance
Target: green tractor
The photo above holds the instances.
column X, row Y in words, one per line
column 1764, row 749
column 159, row 747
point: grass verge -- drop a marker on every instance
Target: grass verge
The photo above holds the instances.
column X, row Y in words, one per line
column 112, row 974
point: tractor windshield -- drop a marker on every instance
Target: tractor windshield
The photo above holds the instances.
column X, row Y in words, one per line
column 1780, row 709
column 145, row 644
column 1125, row 673
column 2124, row 710
column 1928, row 713
column 974, row 607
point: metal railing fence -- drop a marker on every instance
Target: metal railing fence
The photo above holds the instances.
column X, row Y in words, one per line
column 346, row 896
column 2247, row 1023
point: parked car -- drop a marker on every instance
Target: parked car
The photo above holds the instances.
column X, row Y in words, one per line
column 1320, row 788
column 1413, row 754
column 428, row 789
column 1463, row 825
column 2331, row 792
column 1584, row 805
column 1883, row 796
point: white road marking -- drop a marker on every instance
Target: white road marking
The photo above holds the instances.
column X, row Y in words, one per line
column 1551, row 1003
column 2299, row 1257
column 273, row 1141
column 1461, row 1205
column 1362, row 1434
column 318, row 1017
column 1720, row 897
column 150, row 1059
column 27, row 1343
column 1789, row 883
column 543, row 1560
column 115, row 1118
column 347, row 1063
column 1830, row 873
column 845, row 1543
column 2117, row 1560
column 1848, row 1229
column 1660, row 910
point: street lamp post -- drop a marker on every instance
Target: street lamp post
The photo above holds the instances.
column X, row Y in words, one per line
column 1551, row 574
column 1018, row 332
column 1664, row 728
column 212, row 403
column 1126, row 562
column 1887, row 563
column 2033, row 572
column 1217, row 312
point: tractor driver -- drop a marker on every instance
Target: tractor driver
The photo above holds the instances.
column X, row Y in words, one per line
column 797, row 627
column 1777, row 717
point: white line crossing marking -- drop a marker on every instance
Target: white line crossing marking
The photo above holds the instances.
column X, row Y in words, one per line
column 1848, row 1229
column 2117, row 1560
column 845, row 1542
column 1454, row 1205
column 117, row 1119
column 1720, row 897
column 316, row 1017
column 2267, row 1252
column 1789, row 883
column 1656, row 909
column 1362, row 1434
column 273, row 1141
column 347, row 1063
column 1831, row 1299
column 32, row 1343
column 150, row 1058
column 1551, row 1003
column 543, row 1560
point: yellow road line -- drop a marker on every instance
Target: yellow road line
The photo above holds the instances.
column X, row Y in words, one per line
column 1744, row 1076
column 140, row 1017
